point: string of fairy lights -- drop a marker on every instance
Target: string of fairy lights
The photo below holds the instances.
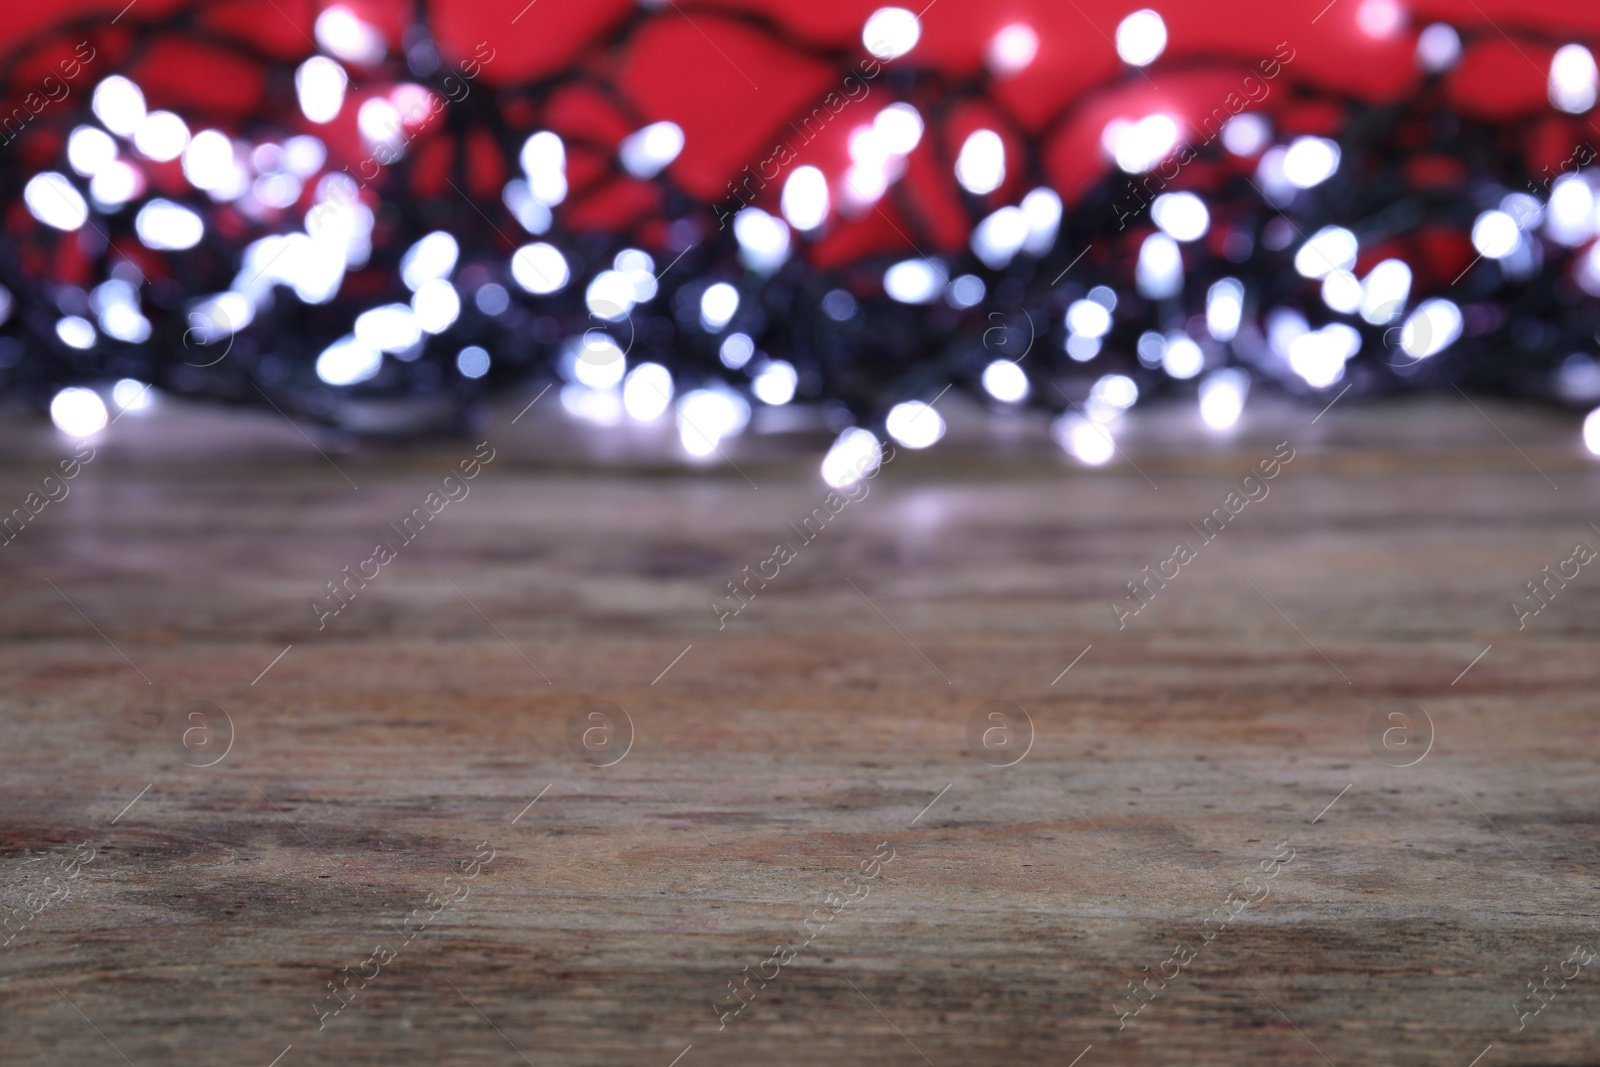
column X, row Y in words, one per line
column 1412, row 246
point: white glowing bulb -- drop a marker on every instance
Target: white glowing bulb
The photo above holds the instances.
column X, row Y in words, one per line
column 1181, row 357
column 1116, row 390
column 805, row 198
column 340, row 31
column 1527, row 210
column 1573, row 79
column 965, row 292
column 1384, row 292
column 379, row 123
column 267, row 158
column 219, row 316
column 89, row 149
column 1005, row 381
column 1246, row 134
column 736, row 350
column 1329, row 249
column 1431, row 328
column 639, row 268
column 1591, row 432
column 1088, row 318
column 1438, row 48
column 52, row 200
column 1000, row 237
column 1182, row 215
column 1571, row 215
column 718, row 304
column 1159, row 272
column 1346, row 337
column 131, row 395
column 304, row 155
column 1496, row 234
column 1152, row 347
column 540, row 268
column 492, row 299
column 79, row 412
column 1139, row 146
column 436, row 306
column 166, row 226
column 390, row 328
column 1042, row 209
column 865, row 183
column 1013, row 48
column 776, row 383
column 431, row 258
column 472, row 362
column 1224, row 309
column 603, row 407
column 1587, row 271
column 340, row 226
column 610, row 296
column 162, row 136
column 1274, row 184
column 348, row 361
column 647, row 392
column 1283, row 326
column 891, row 32
column 277, row 190
column 544, row 160
column 706, row 416
column 76, row 331
column 533, row 213
column 1222, row 396
column 1310, row 161
column 915, row 424
column 1341, row 291
column 839, row 305
column 1111, row 135
column 914, row 281
column 114, row 185
column 320, row 85
column 113, row 293
column 1082, row 348
column 294, row 260
column 763, row 240
column 596, row 361
column 647, row 152
column 854, row 455
column 1380, row 18
column 1084, row 440
column 209, row 164
column 898, row 128
column 1578, row 377
column 1141, row 38
column 867, row 148
column 119, row 105
column 981, row 164
column 124, row 323
column 1318, row 356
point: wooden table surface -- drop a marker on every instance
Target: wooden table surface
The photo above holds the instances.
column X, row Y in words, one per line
column 1216, row 757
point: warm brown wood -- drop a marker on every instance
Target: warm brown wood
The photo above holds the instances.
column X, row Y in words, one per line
column 776, row 755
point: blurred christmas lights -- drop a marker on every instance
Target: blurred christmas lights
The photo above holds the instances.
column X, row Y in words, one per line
column 343, row 286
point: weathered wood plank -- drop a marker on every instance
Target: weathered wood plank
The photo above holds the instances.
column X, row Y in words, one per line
column 773, row 757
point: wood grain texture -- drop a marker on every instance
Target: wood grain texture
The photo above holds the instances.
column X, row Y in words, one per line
column 828, row 717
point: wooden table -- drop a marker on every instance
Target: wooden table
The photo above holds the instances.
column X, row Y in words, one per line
column 1393, row 914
